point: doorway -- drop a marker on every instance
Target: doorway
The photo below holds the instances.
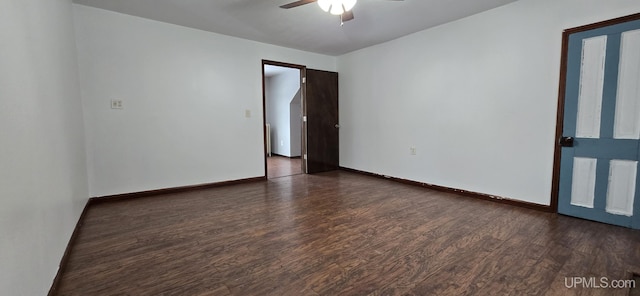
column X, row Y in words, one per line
column 315, row 94
column 598, row 148
column 282, row 92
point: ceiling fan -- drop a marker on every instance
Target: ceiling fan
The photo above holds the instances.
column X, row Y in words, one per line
column 335, row 7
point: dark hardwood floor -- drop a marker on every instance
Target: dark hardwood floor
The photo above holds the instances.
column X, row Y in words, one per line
column 280, row 166
column 338, row 233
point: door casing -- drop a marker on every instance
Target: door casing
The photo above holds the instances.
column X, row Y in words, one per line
column 303, row 93
column 555, row 185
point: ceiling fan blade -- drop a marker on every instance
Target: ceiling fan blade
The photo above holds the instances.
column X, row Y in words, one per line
column 347, row 16
column 297, row 3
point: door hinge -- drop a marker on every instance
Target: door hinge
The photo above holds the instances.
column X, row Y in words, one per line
column 304, row 79
column 304, row 118
column 304, row 156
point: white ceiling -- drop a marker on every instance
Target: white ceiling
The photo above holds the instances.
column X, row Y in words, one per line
column 306, row 27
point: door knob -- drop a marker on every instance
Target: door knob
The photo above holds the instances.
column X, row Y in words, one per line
column 337, row 125
column 566, row 141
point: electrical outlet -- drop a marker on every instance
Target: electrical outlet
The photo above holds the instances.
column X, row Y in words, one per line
column 412, row 150
column 116, row 104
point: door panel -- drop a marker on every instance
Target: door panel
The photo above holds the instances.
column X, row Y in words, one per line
column 627, row 118
column 598, row 173
column 321, row 106
column 591, row 83
column 621, row 187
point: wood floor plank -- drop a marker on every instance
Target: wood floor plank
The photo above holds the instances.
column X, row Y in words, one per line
column 337, row 233
column 280, row 166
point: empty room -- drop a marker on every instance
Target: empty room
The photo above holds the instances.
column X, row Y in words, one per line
column 319, row 147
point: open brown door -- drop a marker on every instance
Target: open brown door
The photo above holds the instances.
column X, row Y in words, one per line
column 321, row 109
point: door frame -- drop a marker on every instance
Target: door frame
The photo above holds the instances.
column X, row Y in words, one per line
column 557, row 151
column 303, row 93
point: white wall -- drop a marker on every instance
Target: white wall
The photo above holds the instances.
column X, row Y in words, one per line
column 295, row 122
column 280, row 91
column 185, row 93
column 43, row 183
column 277, row 110
column 476, row 97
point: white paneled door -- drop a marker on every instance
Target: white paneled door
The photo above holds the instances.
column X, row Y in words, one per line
column 601, row 127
